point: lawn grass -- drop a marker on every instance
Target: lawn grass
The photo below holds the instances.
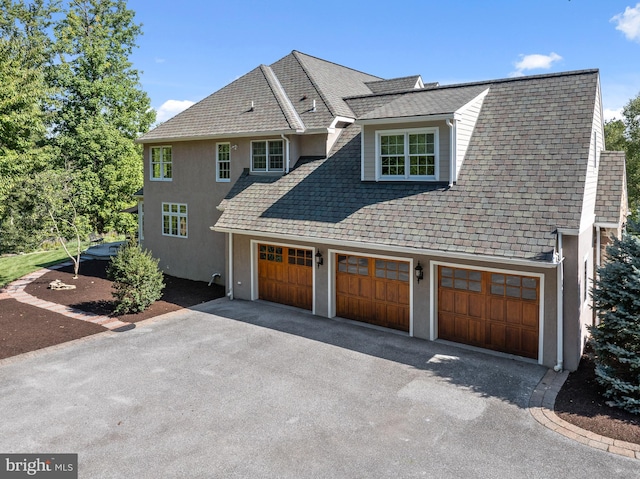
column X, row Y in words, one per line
column 14, row 267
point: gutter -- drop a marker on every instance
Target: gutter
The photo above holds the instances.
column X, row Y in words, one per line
column 396, row 249
column 230, row 290
column 560, row 306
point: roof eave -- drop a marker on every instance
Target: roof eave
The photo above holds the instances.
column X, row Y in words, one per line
column 216, row 136
column 406, row 119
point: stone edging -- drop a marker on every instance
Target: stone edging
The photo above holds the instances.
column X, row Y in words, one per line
column 541, row 406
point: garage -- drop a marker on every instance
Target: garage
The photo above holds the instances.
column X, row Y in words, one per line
column 492, row 310
column 373, row 290
column 285, row 275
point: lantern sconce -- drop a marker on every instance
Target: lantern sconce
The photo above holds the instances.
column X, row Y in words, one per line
column 319, row 259
column 419, row 272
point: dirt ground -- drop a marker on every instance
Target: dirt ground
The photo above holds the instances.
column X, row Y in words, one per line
column 26, row 328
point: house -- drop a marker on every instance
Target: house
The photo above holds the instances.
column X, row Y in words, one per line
column 472, row 213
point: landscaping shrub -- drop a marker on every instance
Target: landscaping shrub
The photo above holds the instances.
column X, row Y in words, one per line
column 137, row 280
column 616, row 339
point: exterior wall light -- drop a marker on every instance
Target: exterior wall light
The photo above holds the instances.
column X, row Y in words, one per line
column 419, row 272
column 319, row 259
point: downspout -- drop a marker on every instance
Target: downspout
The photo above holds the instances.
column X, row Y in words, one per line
column 560, row 306
column 598, row 246
column 453, row 162
column 287, row 163
column 230, row 292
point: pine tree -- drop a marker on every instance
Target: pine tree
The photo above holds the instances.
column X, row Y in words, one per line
column 616, row 339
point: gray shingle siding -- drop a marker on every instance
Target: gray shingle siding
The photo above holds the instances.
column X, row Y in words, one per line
column 612, row 194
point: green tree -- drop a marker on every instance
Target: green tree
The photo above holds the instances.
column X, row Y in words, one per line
column 102, row 106
column 24, row 93
column 616, row 339
column 624, row 135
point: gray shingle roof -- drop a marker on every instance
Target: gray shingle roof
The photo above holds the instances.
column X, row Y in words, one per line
column 523, row 177
column 283, row 95
column 393, row 84
column 228, row 111
column 612, row 187
column 426, row 102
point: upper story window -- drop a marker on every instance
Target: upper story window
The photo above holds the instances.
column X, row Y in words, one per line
column 161, row 163
column 223, row 162
column 267, row 155
column 174, row 219
column 407, row 154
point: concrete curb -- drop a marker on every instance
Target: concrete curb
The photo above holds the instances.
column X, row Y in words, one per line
column 541, row 406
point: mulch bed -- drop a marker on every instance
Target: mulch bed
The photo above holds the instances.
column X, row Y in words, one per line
column 93, row 292
column 580, row 402
column 25, row 328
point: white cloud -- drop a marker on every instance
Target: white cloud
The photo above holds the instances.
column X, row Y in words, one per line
column 535, row 62
column 160, row 60
column 612, row 114
column 171, row 108
column 629, row 23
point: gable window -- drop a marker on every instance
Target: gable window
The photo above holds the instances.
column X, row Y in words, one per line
column 267, row 155
column 223, row 162
column 161, row 163
column 407, row 154
column 174, row 219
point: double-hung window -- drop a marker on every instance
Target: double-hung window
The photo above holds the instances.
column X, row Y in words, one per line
column 223, row 162
column 161, row 163
column 174, row 220
column 407, row 154
column 267, row 155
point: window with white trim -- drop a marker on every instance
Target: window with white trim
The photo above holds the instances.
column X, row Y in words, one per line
column 174, row 220
column 223, row 162
column 407, row 154
column 267, row 155
column 161, row 163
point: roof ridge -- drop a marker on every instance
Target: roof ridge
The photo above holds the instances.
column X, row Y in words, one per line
column 478, row 83
column 294, row 52
column 326, row 102
column 283, row 100
column 391, row 79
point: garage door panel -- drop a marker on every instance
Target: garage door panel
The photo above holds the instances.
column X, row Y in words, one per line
column 285, row 275
column 476, row 306
column 374, row 290
column 445, row 300
column 530, row 312
column 491, row 310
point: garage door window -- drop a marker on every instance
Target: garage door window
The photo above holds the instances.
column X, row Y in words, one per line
column 392, row 270
column 353, row 265
column 271, row 253
column 461, row 279
column 301, row 257
column 514, row 286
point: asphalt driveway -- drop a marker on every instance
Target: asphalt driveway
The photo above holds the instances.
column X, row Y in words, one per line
column 239, row 389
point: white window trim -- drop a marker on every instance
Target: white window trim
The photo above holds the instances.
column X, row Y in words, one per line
column 177, row 215
column 406, row 132
column 218, row 179
column 267, row 170
column 162, row 163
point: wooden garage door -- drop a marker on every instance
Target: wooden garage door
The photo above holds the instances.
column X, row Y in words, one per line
column 373, row 290
column 491, row 310
column 285, row 275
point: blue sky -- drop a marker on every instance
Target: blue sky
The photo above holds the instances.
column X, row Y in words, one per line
column 191, row 48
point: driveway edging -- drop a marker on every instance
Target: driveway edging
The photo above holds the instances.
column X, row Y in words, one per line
column 541, row 406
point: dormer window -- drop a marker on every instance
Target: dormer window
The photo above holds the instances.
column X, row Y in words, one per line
column 410, row 154
column 267, row 155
